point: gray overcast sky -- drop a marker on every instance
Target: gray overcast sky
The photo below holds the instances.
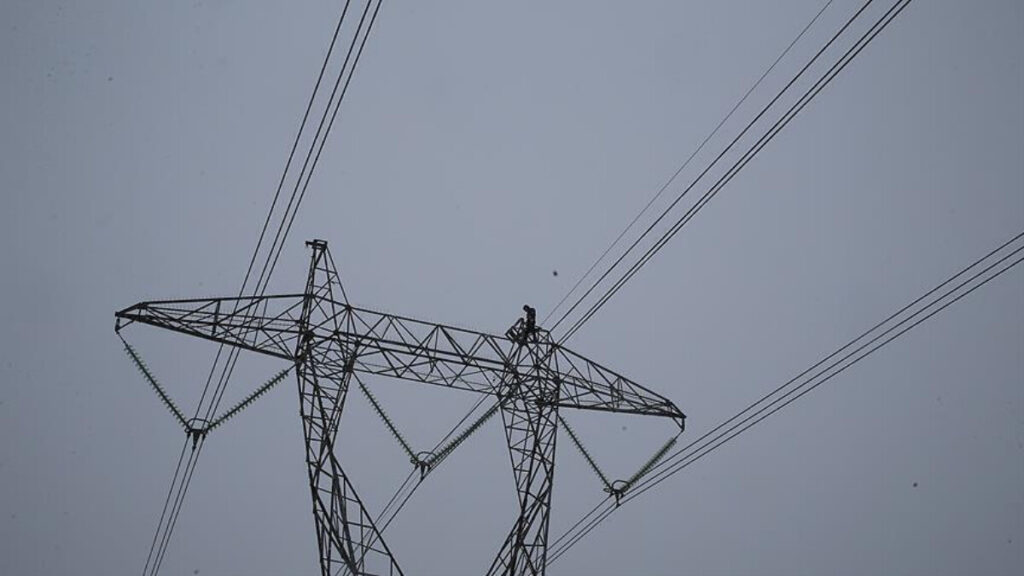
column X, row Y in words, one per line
column 484, row 145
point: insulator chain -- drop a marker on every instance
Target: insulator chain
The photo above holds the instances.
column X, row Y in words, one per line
column 450, row 447
column 387, row 422
column 194, row 427
column 646, row 468
column 619, row 487
column 586, row 455
column 248, row 400
column 155, row 385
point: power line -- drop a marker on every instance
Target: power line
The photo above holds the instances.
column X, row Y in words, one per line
column 690, row 455
column 951, row 296
column 686, row 162
column 879, row 25
column 159, row 545
column 293, row 205
column 713, row 190
column 290, row 212
column 793, row 111
column 334, row 115
column 295, row 146
column 982, row 271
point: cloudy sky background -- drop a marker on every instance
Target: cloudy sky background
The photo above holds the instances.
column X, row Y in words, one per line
column 482, row 147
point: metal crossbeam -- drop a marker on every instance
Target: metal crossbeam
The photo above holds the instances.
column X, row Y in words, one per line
column 398, row 347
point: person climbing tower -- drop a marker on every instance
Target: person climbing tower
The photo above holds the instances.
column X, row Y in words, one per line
column 531, row 319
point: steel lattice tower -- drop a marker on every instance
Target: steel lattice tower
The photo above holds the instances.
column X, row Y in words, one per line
column 328, row 340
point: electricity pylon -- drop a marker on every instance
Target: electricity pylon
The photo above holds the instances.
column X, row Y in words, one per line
column 327, row 340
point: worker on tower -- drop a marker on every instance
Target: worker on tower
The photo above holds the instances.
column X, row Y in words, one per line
column 531, row 319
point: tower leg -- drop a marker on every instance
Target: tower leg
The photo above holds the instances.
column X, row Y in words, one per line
column 348, row 540
column 531, row 425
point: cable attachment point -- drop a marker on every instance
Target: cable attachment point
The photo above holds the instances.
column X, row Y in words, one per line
column 626, row 485
column 196, row 429
column 423, row 461
column 616, row 490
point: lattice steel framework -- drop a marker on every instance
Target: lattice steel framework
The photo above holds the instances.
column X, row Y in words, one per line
column 328, row 340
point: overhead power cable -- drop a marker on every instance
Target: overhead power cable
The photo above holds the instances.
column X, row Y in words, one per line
column 686, row 162
column 362, row 34
column 330, row 112
column 870, row 34
column 972, row 277
column 816, row 88
column 182, row 476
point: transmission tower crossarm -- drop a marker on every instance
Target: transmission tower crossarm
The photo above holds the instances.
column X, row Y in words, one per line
column 265, row 324
column 587, row 385
column 399, row 347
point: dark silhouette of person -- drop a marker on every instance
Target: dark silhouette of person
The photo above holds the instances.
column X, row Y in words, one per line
column 531, row 318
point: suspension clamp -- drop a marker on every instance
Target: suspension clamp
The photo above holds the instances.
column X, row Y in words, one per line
column 617, row 489
column 196, row 430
